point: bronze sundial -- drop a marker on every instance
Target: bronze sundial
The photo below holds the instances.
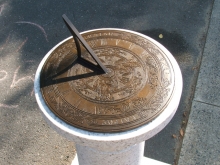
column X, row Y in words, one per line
column 136, row 88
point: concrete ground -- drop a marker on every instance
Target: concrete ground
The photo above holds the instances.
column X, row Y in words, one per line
column 190, row 29
column 201, row 143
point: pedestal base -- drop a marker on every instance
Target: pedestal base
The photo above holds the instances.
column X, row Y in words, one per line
column 145, row 161
column 132, row 155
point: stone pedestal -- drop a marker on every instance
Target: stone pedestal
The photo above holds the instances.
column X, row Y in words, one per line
column 122, row 148
column 130, row 155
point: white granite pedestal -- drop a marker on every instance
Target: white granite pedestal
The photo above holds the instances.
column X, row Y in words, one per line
column 123, row 148
column 132, row 155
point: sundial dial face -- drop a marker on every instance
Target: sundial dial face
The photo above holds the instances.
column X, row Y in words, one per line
column 137, row 88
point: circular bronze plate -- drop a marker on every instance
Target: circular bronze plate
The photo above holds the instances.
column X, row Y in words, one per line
column 137, row 88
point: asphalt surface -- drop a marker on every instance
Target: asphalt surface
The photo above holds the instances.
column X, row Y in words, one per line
column 29, row 29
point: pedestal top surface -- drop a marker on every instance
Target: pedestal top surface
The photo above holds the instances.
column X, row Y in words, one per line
column 137, row 88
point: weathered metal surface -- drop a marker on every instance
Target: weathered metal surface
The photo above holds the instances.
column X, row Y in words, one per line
column 137, row 88
column 77, row 37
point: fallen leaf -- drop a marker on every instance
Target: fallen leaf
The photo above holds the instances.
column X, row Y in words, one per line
column 181, row 132
column 174, row 136
column 184, row 114
column 195, row 67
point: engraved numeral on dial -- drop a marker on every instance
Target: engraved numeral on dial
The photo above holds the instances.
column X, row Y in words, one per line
column 103, row 42
column 77, row 103
column 66, row 92
column 117, row 41
column 58, row 103
column 125, row 120
column 95, row 110
column 144, row 53
column 131, row 46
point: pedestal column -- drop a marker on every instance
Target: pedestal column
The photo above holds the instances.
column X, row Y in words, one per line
column 92, row 156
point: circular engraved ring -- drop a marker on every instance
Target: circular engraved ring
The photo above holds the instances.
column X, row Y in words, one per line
column 137, row 88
